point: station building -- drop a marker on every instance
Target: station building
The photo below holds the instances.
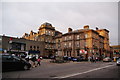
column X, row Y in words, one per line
column 18, row 46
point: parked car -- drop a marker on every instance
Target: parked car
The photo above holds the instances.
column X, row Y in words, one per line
column 70, row 58
column 10, row 62
column 23, row 55
column 45, row 57
column 65, row 58
column 76, row 59
column 107, row 59
column 118, row 62
column 52, row 57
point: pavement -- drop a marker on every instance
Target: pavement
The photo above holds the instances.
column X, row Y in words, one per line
column 71, row 62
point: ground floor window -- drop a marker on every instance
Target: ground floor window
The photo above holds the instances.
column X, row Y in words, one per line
column 78, row 54
column 70, row 53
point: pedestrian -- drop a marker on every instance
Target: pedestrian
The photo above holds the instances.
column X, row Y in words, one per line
column 94, row 59
column 33, row 59
column 40, row 57
column 27, row 58
column 89, row 58
column 97, row 59
column 39, row 61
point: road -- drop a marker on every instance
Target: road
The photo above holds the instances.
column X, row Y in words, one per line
column 68, row 70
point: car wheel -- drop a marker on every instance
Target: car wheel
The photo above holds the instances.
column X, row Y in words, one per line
column 25, row 67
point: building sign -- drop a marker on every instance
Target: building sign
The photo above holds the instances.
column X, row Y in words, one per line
column 83, row 51
column 116, row 52
column 10, row 40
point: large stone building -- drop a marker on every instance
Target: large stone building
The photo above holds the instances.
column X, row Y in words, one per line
column 47, row 35
column 82, row 42
column 105, row 34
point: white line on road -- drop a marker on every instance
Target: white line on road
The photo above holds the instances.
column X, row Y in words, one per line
column 84, row 72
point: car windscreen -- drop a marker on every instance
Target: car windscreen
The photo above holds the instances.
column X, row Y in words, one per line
column 5, row 57
column 16, row 58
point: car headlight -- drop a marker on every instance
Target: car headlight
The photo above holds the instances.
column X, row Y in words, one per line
column 117, row 62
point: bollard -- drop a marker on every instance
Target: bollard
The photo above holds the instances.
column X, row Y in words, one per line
column 114, row 59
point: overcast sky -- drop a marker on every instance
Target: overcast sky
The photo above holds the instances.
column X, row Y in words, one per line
column 22, row 17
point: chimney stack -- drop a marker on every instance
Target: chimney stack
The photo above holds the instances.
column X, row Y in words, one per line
column 69, row 29
column 96, row 28
column 86, row 27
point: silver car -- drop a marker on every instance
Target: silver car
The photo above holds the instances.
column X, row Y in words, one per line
column 118, row 62
column 107, row 59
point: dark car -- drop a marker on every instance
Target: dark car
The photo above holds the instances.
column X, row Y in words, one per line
column 10, row 62
column 52, row 57
column 76, row 59
column 45, row 57
column 65, row 58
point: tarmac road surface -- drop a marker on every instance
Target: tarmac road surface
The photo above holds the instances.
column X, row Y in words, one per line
column 68, row 70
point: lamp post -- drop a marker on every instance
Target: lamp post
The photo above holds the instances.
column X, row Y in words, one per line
column 10, row 45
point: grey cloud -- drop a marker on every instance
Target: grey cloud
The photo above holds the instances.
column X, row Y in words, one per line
column 19, row 18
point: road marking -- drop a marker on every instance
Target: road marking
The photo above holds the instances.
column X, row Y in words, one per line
column 84, row 72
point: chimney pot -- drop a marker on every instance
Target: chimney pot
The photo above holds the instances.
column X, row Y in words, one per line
column 69, row 29
column 96, row 28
